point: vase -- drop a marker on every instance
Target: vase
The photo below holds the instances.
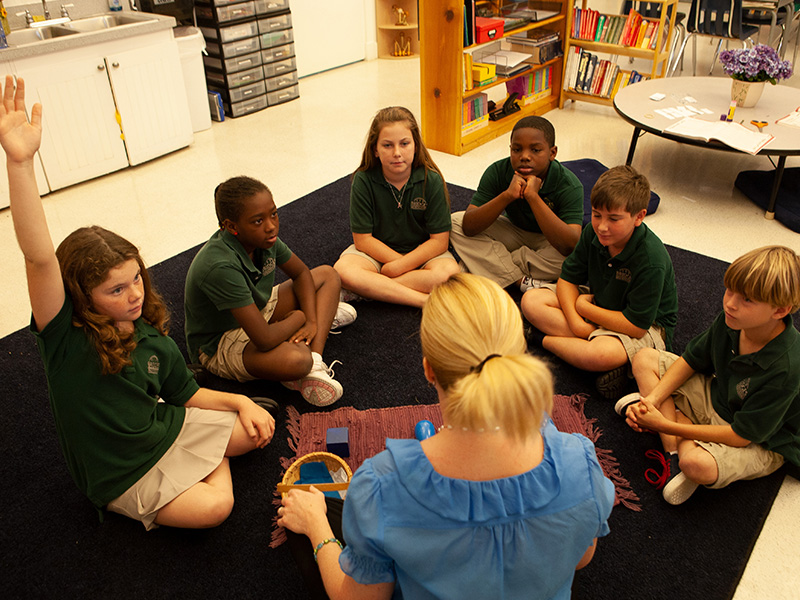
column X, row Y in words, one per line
column 746, row 93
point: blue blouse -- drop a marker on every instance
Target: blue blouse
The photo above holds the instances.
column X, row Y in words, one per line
column 437, row 537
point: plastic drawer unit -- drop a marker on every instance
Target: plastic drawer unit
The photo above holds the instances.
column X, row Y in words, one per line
column 284, row 95
column 268, row 7
column 239, row 109
column 230, row 33
column 281, row 81
column 276, row 23
column 276, row 38
column 224, row 14
column 240, row 94
column 235, row 64
column 231, row 80
column 280, row 67
column 278, row 53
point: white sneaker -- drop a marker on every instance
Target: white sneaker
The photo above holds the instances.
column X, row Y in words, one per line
column 528, row 283
column 678, row 490
column 621, row 407
column 350, row 296
column 318, row 387
column 345, row 315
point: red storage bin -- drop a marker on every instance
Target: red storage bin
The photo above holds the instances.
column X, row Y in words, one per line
column 487, row 30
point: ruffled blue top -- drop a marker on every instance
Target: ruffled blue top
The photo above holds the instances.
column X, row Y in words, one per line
column 437, row 537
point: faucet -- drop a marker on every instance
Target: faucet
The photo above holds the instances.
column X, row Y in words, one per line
column 132, row 4
column 46, row 12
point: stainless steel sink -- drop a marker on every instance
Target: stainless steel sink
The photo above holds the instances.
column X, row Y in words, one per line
column 101, row 22
column 31, row 36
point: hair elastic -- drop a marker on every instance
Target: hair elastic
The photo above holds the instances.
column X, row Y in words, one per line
column 479, row 367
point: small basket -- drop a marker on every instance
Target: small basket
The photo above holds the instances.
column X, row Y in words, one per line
column 332, row 462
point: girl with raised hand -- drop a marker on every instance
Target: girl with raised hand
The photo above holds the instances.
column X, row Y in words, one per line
column 101, row 331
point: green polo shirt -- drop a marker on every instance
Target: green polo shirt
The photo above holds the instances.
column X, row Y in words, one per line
column 222, row 277
column 561, row 190
column 423, row 208
column 758, row 393
column 639, row 281
column 112, row 428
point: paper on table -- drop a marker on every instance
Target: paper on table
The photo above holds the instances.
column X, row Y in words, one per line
column 734, row 135
column 792, row 119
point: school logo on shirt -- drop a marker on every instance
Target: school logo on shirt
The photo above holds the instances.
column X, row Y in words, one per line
column 742, row 387
column 549, row 203
column 419, row 204
column 269, row 267
column 153, row 365
column 624, row 275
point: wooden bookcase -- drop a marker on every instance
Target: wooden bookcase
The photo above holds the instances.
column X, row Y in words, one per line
column 441, row 28
column 389, row 32
column 658, row 57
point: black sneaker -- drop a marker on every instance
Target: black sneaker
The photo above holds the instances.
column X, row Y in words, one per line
column 269, row 405
column 612, row 383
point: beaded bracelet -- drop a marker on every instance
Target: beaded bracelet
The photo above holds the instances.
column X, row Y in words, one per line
column 323, row 542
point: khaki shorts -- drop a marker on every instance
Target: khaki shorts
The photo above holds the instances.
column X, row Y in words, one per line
column 351, row 249
column 653, row 338
column 693, row 399
column 227, row 362
column 195, row 453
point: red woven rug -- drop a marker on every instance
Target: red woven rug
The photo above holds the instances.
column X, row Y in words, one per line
column 368, row 430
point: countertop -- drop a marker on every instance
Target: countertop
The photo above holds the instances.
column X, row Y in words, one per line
column 150, row 23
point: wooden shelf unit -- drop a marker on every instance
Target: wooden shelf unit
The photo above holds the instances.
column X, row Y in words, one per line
column 389, row 32
column 659, row 58
column 441, row 77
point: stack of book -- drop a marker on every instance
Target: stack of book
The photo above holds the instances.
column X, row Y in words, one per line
column 632, row 30
column 474, row 113
column 542, row 45
column 586, row 73
column 532, row 87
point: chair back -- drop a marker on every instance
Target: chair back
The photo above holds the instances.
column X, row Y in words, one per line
column 720, row 18
column 649, row 10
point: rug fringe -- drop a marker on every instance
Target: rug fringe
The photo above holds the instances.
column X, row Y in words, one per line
column 293, row 427
column 624, row 494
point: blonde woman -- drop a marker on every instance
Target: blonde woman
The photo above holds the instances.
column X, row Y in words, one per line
column 498, row 504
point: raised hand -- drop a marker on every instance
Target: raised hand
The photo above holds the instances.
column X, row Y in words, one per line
column 20, row 139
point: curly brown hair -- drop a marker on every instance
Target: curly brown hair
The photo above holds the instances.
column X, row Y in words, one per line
column 85, row 257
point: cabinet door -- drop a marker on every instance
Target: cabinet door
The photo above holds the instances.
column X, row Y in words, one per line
column 151, row 98
column 80, row 135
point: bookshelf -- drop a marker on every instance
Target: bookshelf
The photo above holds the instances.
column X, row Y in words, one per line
column 443, row 94
column 657, row 56
column 397, row 41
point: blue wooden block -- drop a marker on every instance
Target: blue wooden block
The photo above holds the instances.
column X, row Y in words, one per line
column 337, row 440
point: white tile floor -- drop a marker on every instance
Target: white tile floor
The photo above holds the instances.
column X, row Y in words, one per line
column 166, row 206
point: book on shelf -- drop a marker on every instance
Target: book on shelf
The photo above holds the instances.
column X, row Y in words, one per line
column 731, row 134
column 507, row 62
column 532, row 87
column 587, row 73
column 474, row 113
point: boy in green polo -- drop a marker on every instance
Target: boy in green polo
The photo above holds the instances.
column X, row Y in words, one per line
column 729, row 408
column 526, row 215
column 631, row 301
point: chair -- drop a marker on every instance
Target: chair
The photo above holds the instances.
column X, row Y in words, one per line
column 778, row 17
column 652, row 10
column 715, row 18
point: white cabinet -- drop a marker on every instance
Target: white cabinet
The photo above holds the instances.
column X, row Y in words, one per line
column 107, row 105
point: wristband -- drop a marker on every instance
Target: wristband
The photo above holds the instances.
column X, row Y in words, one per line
column 323, row 542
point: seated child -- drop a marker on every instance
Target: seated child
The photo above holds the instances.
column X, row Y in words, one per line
column 399, row 216
column 101, row 330
column 729, row 407
column 631, row 302
column 526, row 215
column 238, row 325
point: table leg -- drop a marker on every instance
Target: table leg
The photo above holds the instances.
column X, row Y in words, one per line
column 636, row 132
column 776, row 184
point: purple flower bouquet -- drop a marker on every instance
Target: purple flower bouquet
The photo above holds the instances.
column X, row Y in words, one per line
column 760, row 63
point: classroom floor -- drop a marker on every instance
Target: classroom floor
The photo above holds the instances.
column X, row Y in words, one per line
column 166, row 206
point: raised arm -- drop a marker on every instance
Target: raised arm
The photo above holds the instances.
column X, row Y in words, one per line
column 20, row 140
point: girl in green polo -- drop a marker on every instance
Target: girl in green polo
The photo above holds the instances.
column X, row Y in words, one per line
column 399, row 217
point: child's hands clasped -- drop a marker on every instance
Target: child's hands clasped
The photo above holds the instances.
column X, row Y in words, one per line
column 643, row 416
column 19, row 138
